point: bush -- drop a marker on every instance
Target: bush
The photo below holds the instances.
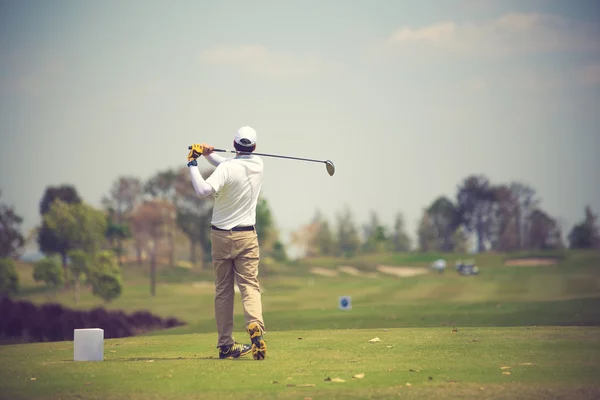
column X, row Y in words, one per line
column 9, row 278
column 23, row 321
column 50, row 271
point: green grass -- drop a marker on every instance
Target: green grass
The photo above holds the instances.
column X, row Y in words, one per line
column 435, row 362
column 506, row 315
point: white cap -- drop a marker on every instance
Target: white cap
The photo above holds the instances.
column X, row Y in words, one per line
column 245, row 136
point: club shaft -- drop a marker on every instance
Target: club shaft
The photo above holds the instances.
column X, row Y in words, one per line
column 271, row 155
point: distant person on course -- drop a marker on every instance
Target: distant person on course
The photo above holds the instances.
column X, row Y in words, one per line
column 235, row 184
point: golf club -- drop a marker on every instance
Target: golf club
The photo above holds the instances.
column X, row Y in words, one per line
column 328, row 164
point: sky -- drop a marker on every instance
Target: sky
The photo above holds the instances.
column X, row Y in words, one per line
column 406, row 98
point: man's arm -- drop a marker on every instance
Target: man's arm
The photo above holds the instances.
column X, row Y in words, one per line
column 215, row 159
column 202, row 188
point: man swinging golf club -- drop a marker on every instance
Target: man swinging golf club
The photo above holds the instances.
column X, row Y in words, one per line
column 235, row 184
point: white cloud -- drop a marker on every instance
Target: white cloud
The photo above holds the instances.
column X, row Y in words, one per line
column 258, row 59
column 509, row 34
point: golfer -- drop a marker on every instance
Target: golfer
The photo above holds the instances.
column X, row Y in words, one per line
column 235, row 184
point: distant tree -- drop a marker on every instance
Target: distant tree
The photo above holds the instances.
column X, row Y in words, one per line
column 400, row 239
column 163, row 186
column 316, row 238
column 348, row 239
column 306, row 236
column 586, row 234
column 265, row 225
column 125, row 193
column 79, row 267
column 48, row 241
column 279, row 253
column 74, row 226
column 475, row 200
column 116, row 232
column 193, row 214
column 444, row 221
column 504, row 232
column 426, row 234
column 11, row 239
column 544, row 232
column 9, row 277
column 324, row 240
column 67, row 193
column 460, row 238
column 104, row 275
column 375, row 235
column 149, row 223
column 49, row 271
column 527, row 201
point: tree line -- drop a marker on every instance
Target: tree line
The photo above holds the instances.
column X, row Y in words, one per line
column 85, row 245
column 500, row 217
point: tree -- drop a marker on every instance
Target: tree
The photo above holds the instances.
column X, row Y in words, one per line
column 79, row 267
column 400, row 239
column 443, row 218
column 306, row 236
column 149, row 222
column 116, row 232
column 585, row 235
column 347, row 234
column 9, row 278
column 426, row 234
column 194, row 214
column 526, row 201
column 126, row 192
column 316, row 237
column 48, row 241
column 375, row 235
column 278, row 252
column 163, row 186
column 49, row 271
column 11, row 239
column 544, row 232
column 265, row 225
column 324, row 240
column 475, row 201
column 505, row 225
column 104, row 275
column 74, row 226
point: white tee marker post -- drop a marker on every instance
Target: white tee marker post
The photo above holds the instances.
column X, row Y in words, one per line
column 88, row 344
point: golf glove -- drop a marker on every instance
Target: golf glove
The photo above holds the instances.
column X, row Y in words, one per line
column 195, row 152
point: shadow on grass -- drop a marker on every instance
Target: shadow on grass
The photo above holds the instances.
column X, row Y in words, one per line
column 148, row 359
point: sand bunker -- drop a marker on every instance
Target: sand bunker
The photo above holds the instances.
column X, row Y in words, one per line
column 531, row 262
column 324, row 271
column 402, row 271
column 350, row 270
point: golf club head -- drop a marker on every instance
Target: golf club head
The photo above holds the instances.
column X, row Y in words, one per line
column 330, row 167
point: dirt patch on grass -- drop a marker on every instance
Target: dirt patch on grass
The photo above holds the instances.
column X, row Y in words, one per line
column 402, row 271
column 531, row 262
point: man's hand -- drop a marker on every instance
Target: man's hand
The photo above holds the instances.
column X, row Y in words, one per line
column 196, row 151
column 206, row 149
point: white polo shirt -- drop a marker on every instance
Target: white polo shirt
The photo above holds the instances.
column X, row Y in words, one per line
column 236, row 183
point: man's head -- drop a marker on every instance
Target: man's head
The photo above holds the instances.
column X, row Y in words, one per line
column 245, row 139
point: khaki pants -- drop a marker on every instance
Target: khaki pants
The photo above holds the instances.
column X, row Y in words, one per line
column 235, row 256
